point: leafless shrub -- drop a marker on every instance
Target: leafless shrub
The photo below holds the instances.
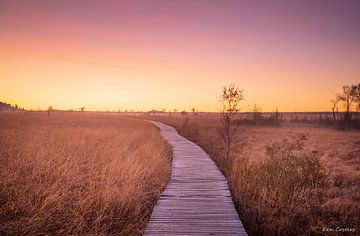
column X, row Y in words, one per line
column 230, row 98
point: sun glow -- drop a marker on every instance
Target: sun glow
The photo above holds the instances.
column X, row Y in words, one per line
column 175, row 55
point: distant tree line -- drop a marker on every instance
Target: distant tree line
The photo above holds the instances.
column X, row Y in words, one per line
column 347, row 118
column 8, row 107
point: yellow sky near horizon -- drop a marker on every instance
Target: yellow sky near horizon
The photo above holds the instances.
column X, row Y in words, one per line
column 175, row 55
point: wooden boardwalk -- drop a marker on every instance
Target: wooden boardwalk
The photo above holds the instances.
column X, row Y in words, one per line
column 197, row 200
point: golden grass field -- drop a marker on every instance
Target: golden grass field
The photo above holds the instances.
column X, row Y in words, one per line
column 267, row 214
column 101, row 173
column 79, row 173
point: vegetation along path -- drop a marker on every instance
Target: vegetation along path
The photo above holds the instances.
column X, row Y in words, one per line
column 197, row 200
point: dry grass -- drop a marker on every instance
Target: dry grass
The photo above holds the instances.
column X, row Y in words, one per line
column 264, row 213
column 79, row 173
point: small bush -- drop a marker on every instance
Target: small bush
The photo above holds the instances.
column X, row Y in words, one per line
column 284, row 189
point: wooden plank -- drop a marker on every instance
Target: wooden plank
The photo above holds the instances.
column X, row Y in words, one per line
column 197, row 200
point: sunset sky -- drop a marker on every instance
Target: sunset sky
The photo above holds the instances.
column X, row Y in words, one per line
column 102, row 54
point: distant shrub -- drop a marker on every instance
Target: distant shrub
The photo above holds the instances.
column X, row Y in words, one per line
column 325, row 120
column 344, row 124
column 260, row 121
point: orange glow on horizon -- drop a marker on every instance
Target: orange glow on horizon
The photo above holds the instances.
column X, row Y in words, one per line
column 111, row 55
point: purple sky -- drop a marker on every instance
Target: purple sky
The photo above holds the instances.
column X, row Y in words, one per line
column 294, row 55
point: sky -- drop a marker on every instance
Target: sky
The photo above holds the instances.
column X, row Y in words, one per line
column 142, row 55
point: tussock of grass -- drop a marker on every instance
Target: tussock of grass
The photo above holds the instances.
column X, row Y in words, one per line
column 289, row 185
column 79, row 173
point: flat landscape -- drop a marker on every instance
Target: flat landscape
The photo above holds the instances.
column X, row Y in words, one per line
column 102, row 173
column 79, row 173
column 180, row 117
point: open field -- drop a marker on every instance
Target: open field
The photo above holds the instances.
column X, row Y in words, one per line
column 180, row 117
column 280, row 208
column 101, row 173
column 79, row 173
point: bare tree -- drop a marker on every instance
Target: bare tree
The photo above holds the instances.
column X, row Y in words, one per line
column 82, row 108
column 334, row 103
column 355, row 93
column 348, row 98
column 230, row 98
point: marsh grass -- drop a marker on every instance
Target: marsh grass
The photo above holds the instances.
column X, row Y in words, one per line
column 79, row 173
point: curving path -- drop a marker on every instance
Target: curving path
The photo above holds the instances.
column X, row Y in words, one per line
column 197, row 200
